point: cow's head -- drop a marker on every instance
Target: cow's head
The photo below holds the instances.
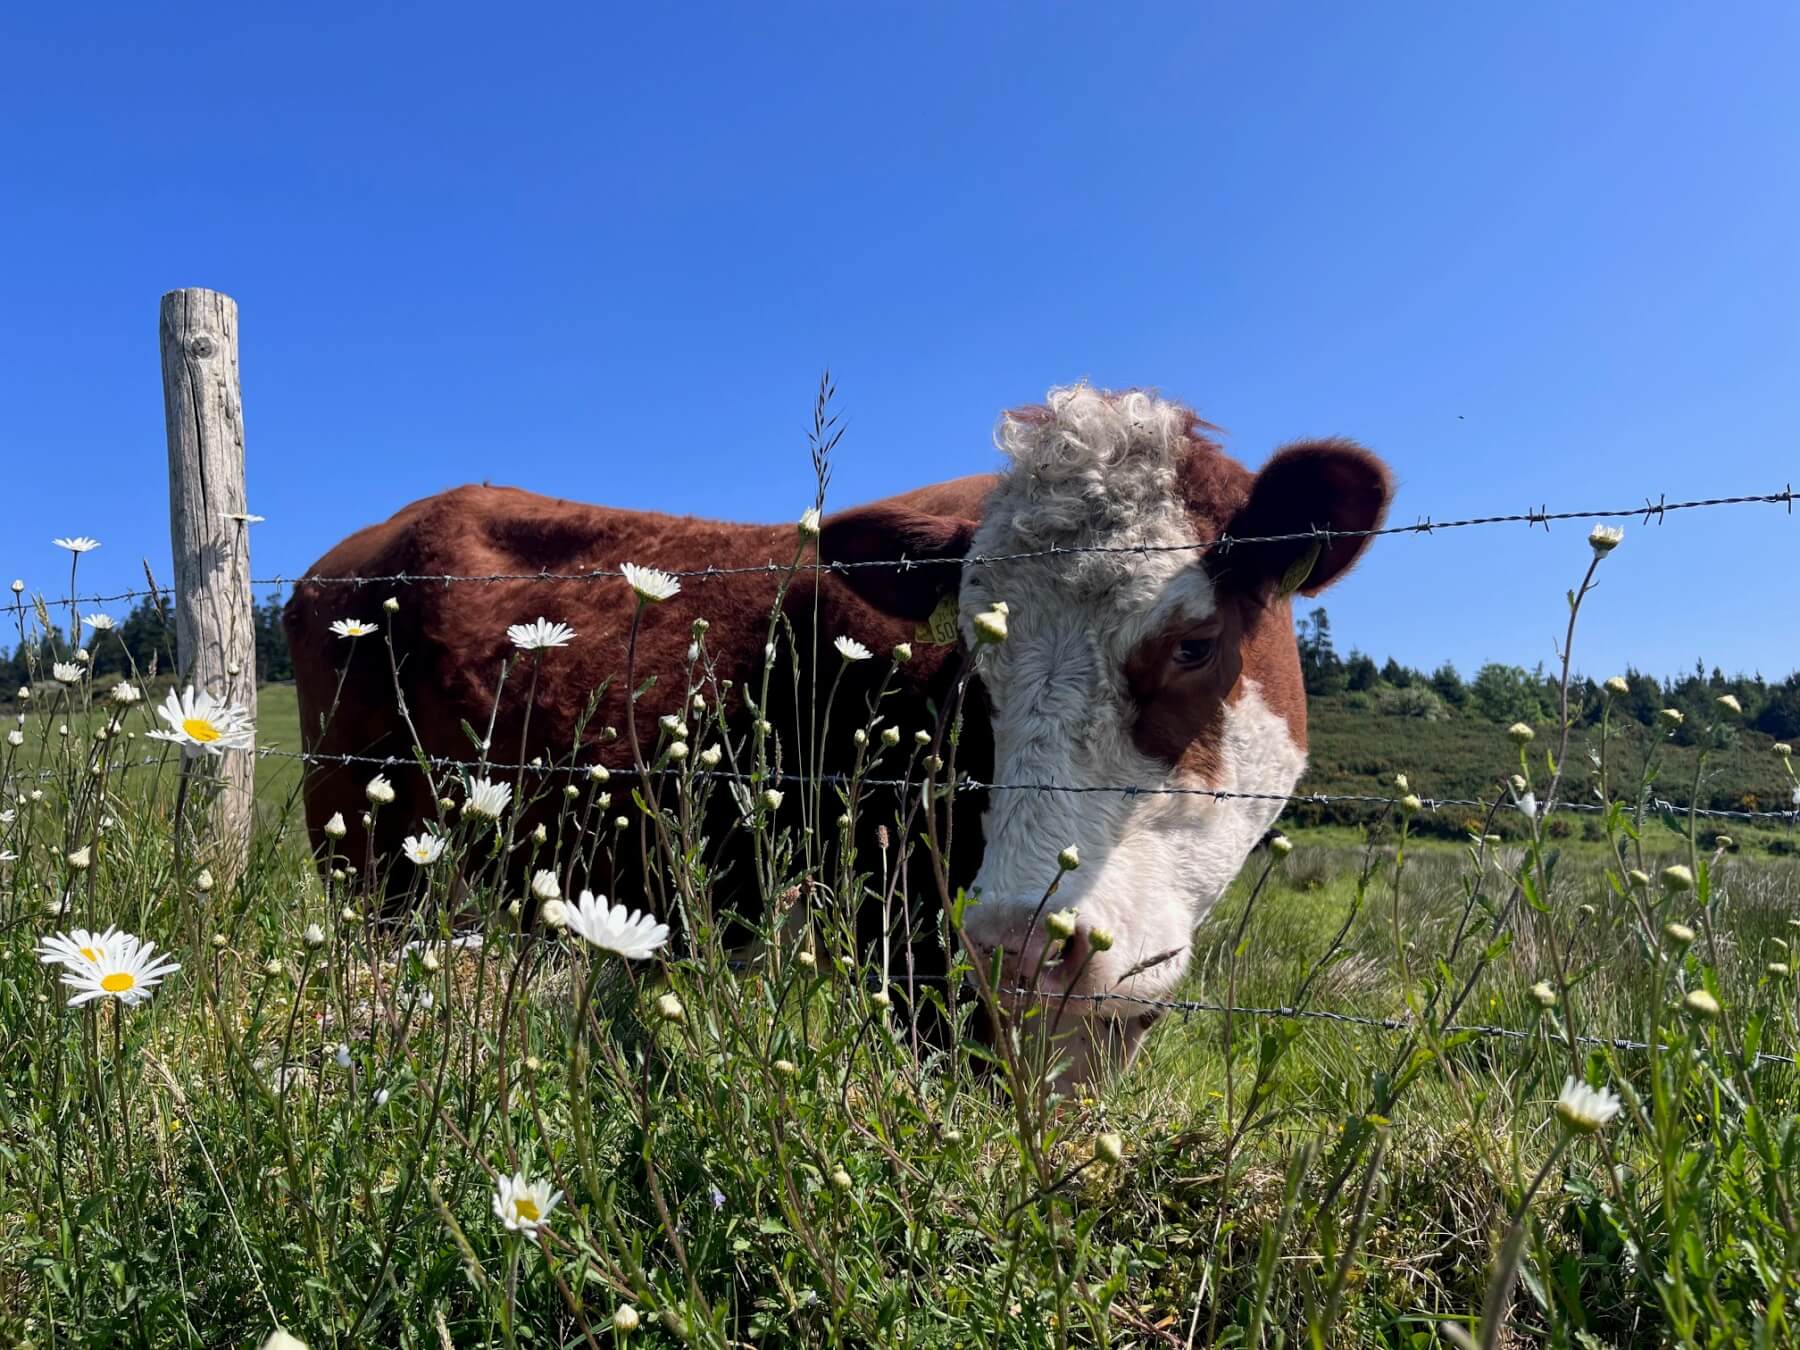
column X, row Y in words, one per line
column 1140, row 657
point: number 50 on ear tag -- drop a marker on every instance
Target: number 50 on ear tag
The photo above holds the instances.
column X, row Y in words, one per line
column 940, row 628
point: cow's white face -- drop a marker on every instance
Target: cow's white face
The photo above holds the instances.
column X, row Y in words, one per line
column 1161, row 668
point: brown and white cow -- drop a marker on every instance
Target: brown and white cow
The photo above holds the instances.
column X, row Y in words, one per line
column 1140, row 657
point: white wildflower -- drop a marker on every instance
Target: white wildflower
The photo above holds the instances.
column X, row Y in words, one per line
column 651, row 585
column 539, row 635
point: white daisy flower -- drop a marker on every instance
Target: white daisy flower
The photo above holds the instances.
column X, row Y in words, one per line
column 100, row 623
column 335, row 827
column 78, row 949
column 488, row 798
column 1583, row 1109
column 1605, row 538
column 79, row 543
column 125, row 693
column 616, row 929
column 543, row 885
column 424, row 848
column 809, row 523
column 651, row 585
column 538, row 636
column 380, row 791
column 200, row 722
column 127, row 970
column 851, row 650
column 65, row 673
column 524, row 1206
column 352, row 628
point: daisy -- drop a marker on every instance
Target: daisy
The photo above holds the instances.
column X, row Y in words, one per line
column 544, row 885
column 534, row 637
column 352, row 628
column 66, row 673
column 100, row 623
column 379, row 790
column 1583, row 1109
column 487, row 798
column 79, row 949
column 127, row 970
column 424, row 848
column 125, row 693
column 1605, row 538
column 614, row 928
column 78, row 544
column 200, row 722
column 523, row 1206
column 851, row 650
column 651, row 585
column 809, row 523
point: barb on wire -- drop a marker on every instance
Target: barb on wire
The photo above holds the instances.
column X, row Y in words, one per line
column 1658, row 509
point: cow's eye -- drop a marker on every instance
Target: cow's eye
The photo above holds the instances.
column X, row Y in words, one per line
column 1194, row 652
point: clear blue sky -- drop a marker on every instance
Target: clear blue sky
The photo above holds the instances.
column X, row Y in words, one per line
column 1532, row 253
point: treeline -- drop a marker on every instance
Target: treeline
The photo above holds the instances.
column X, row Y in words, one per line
column 143, row 641
column 1504, row 694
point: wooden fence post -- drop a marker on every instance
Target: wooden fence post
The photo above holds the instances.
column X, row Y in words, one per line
column 215, row 631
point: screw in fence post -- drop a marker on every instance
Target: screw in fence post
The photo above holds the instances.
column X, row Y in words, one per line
column 215, row 637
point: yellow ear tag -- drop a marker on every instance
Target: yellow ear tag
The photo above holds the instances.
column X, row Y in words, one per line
column 940, row 628
column 1295, row 577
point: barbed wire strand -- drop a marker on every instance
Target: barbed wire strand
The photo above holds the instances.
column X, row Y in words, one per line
column 1656, row 805
column 1650, row 511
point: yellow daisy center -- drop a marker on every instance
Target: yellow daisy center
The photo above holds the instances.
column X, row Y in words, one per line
column 200, row 729
column 526, row 1208
column 118, row 982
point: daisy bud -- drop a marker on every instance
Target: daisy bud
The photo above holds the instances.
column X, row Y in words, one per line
column 1400, row 783
column 313, row 938
column 771, row 798
column 840, row 1178
column 1617, row 685
column 1637, row 877
column 1677, row 878
column 1783, row 749
column 881, row 999
column 625, row 1319
column 671, row 724
column 1777, row 968
column 1723, row 841
column 571, row 792
column 1605, row 538
column 446, row 804
column 80, row 859
column 678, row 751
column 391, row 605
column 619, row 822
column 598, row 773
column 763, row 727
column 921, row 738
column 859, row 737
column 1672, row 717
column 1702, row 1005
column 541, row 835
column 1730, row 704
column 204, row 882
column 273, row 967
column 990, row 627
column 933, row 763
column 367, row 820
column 902, row 653
column 1519, row 785
column 603, row 801
column 18, row 587
column 809, row 523
column 555, row 915
column 845, row 822
column 890, row 736
column 669, row 1008
column 785, row 1067
column 1520, row 734
column 1544, row 994
column 710, row 757
column 533, row 1064
column 1069, row 859
column 347, row 915
column 15, row 738
column 1100, row 939
column 380, row 791
column 806, row 959
column 1678, row 934
column 1109, row 1149
column 335, row 827
column 218, row 940
column 1061, row 924
column 431, row 963
column 1281, row 846
column 514, row 909
column 1410, row 803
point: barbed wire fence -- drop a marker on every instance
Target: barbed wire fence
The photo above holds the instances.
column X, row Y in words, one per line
column 1650, row 511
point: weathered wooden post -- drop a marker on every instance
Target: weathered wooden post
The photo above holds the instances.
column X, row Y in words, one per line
column 215, row 631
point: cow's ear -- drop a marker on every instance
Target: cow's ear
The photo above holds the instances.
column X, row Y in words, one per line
column 1311, row 485
column 883, row 533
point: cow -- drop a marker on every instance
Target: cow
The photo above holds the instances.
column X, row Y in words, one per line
column 1149, row 644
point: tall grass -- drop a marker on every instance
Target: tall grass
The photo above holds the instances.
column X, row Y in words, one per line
column 308, row 1126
